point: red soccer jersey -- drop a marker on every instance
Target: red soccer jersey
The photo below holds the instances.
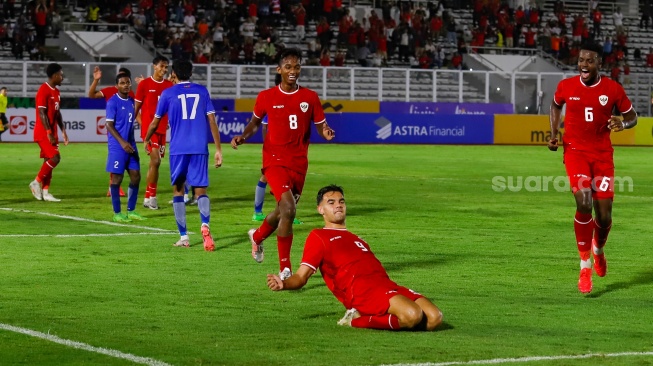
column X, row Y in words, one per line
column 289, row 125
column 588, row 110
column 148, row 93
column 110, row 91
column 49, row 98
column 342, row 258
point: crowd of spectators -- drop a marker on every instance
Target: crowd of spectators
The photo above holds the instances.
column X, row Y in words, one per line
column 23, row 29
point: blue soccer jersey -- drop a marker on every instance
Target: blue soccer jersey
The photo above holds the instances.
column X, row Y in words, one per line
column 187, row 105
column 121, row 112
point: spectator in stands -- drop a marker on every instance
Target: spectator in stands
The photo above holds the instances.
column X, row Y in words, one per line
column 362, row 54
column 646, row 15
column 649, row 58
column 40, row 21
column 259, row 52
column 139, row 21
column 202, row 28
column 339, row 59
column 248, row 52
column 300, row 21
column 596, row 18
column 9, row 9
column 626, row 70
column 55, row 24
column 452, row 36
column 607, row 46
column 637, row 55
column 614, row 73
column 404, row 42
column 92, row 16
column 270, row 52
column 189, row 20
column 247, row 30
column 618, row 20
column 252, row 10
column 325, row 57
column 324, row 33
column 457, row 61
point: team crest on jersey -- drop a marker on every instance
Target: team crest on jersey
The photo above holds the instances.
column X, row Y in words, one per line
column 603, row 99
column 303, row 106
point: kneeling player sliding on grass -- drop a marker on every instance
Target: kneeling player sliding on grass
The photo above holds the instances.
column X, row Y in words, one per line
column 355, row 276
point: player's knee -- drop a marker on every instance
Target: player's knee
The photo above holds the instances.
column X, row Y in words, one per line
column 433, row 319
column 56, row 159
column 410, row 317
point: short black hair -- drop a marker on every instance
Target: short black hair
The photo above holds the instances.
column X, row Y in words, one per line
column 327, row 189
column 158, row 59
column 52, row 69
column 183, row 69
column 124, row 70
column 3, row 88
column 593, row 47
column 290, row 52
column 122, row 75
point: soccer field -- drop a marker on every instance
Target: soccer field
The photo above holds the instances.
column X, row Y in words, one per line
column 77, row 289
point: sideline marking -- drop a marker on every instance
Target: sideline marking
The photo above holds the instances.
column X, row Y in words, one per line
column 84, row 346
column 88, row 220
column 525, row 359
column 78, row 235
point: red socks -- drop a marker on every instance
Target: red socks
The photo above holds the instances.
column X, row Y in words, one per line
column 263, row 232
column 46, row 170
column 387, row 321
column 150, row 191
column 284, row 244
column 584, row 227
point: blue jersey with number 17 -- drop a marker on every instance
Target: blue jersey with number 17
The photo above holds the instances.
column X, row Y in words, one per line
column 187, row 105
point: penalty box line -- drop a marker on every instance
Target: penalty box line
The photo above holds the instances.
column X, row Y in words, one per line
column 84, row 346
column 74, row 218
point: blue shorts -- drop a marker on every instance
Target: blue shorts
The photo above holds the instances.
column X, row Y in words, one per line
column 192, row 168
column 119, row 161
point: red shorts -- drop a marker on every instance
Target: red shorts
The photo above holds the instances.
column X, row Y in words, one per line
column 157, row 142
column 590, row 170
column 372, row 296
column 48, row 151
column 282, row 179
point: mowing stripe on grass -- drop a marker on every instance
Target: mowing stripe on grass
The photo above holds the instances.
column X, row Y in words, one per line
column 78, row 235
column 84, row 346
column 87, row 220
column 497, row 361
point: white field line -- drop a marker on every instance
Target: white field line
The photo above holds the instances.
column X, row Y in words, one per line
column 78, row 235
column 88, row 220
column 84, row 346
column 497, row 361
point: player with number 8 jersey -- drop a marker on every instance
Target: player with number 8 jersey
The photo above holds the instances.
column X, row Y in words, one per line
column 291, row 109
column 588, row 154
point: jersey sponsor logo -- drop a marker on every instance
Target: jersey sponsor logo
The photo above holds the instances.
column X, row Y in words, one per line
column 603, row 99
column 101, row 125
column 303, row 106
column 335, row 238
column 277, row 106
column 152, row 91
column 574, row 98
column 18, row 125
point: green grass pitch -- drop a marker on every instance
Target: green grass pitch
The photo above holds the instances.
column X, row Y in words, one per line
column 502, row 266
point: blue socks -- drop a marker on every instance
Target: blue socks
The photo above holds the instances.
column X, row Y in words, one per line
column 115, row 197
column 204, row 205
column 259, row 196
column 132, row 197
column 179, row 207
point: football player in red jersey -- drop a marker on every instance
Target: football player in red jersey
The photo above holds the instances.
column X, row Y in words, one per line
column 291, row 109
column 107, row 93
column 48, row 117
column 355, row 276
column 147, row 95
column 590, row 100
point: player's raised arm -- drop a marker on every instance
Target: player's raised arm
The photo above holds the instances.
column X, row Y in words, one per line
column 554, row 121
column 250, row 130
column 92, row 90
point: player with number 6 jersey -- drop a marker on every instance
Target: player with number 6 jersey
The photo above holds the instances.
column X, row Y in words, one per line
column 588, row 154
column 291, row 110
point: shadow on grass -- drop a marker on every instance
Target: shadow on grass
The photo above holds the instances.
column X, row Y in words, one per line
column 427, row 262
column 643, row 278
